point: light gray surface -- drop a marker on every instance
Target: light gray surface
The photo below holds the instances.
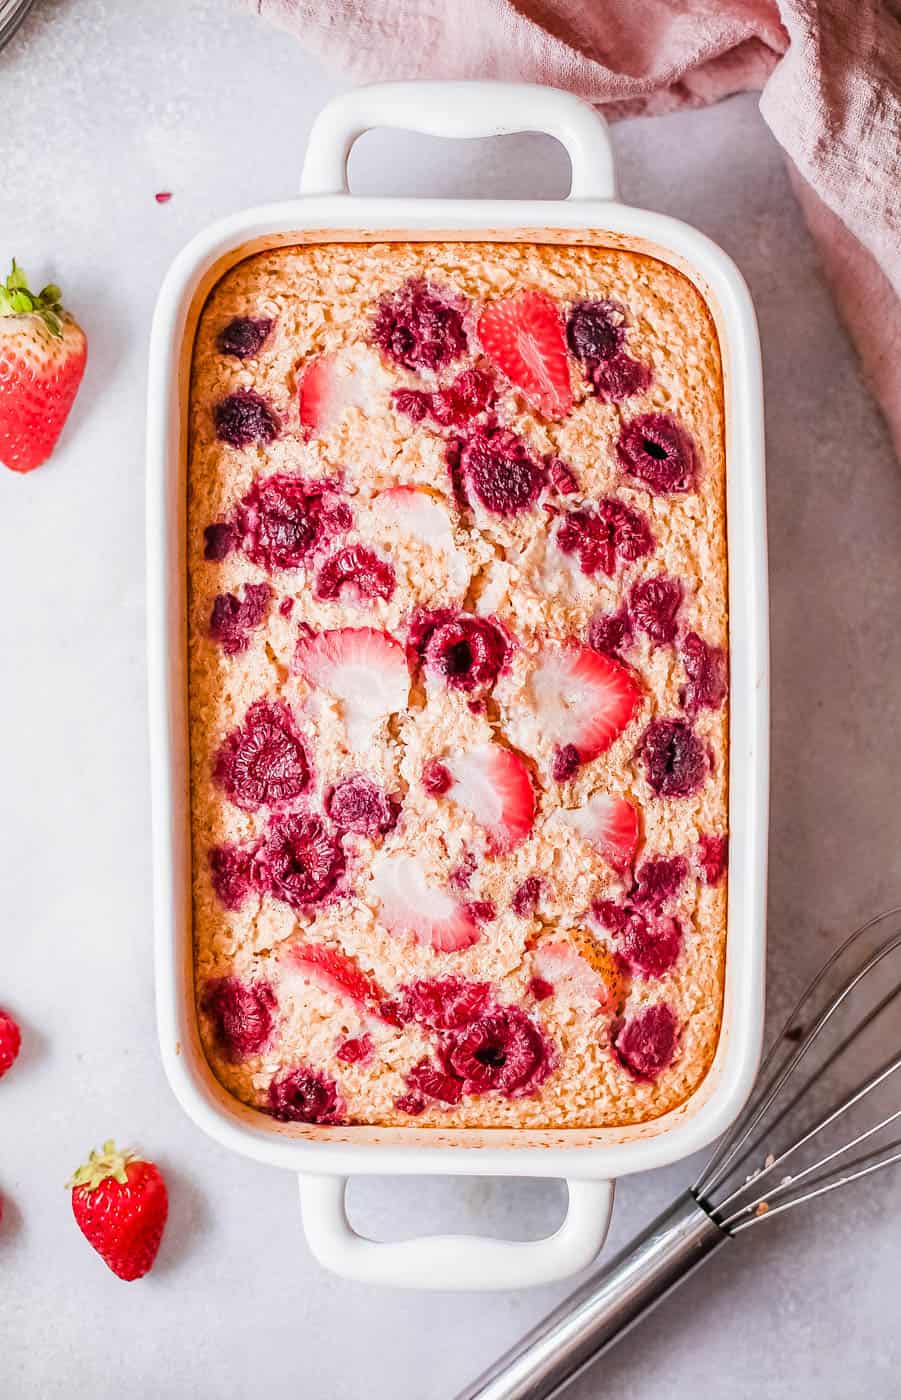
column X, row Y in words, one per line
column 104, row 104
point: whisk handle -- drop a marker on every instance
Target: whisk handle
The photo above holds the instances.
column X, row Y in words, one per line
column 604, row 1308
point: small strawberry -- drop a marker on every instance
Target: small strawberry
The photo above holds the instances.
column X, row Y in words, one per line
column 120, row 1203
column 493, row 784
column 364, row 668
column 409, row 905
column 610, row 823
column 42, row 359
column 10, row 1041
column 582, row 697
column 524, row 337
column 333, row 971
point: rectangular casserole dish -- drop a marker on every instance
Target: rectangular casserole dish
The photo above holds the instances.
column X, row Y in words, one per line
column 590, row 1159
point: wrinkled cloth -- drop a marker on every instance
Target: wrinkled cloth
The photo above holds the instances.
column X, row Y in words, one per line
column 829, row 70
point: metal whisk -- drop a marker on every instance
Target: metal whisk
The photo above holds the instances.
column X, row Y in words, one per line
column 803, row 1133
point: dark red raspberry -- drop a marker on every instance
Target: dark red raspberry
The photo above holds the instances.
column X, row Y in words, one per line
column 566, row 763
column 504, row 1051
column 356, row 1050
column 468, row 652
column 649, row 948
column 432, row 1083
column 713, row 857
column 599, row 535
column 654, row 605
column 540, row 989
column 231, row 874
column 436, row 778
column 611, row 915
column 445, row 1003
column 595, row 330
column 498, row 473
column 659, row 452
column 610, row 633
column 300, row 860
column 460, row 876
column 675, row 759
column 304, row 1095
column 240, row 1015
column 525, row 900
column 482, row 910
column 358, row 804
column 470, row 394
column 286, row 607
column 411, row 1103
column 283, row 518
column 658, row 880
column 620, row 378
column 413, row 403
column 243, row 337
column 705, row 667
column 218, row 541
column 264, row 762
column 645, row 1044
column 245, row 417
column 562, row 477
column 359, row 569
column 233, row 619
column 419, row 328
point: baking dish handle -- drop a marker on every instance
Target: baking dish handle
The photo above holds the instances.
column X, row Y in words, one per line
column 462, row 109
column 454, row 1261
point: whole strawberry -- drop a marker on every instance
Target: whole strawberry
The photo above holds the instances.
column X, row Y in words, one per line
column 10, row 1040
column 121, row 1204
column 42, row 358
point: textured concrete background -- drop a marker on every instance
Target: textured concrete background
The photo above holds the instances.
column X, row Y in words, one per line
column 104, row 104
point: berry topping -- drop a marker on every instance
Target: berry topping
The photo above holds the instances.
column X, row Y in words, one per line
column 569, row 972
column 523, row 335
column 610, row 633
column 460, row 877
column 436, row 778
column 525, row 900
column 305, row 1096
column 286, row 607
column 244, row 417
column 659, row 452
column 432, row 1083
column 356, row 1050
column 10, row 1042
column 649, row 948
column 418, row 513
column 419, row 328
column 595, row 330
column 658, row 880
column 610, row 823
column 620, row 378
column 713, row 857
column 561, row 477
column 243, row 337
column 468, row 652
column 675, row 758
column 498, row 472
column 410, row 906
column 333, row 971
column 705, row 667
column 582, row 698
column 484, row 911
column 645, row 1045
column 121, row 1205
column 358, row 804
column 565, row 763
column 233, row 619
column 282, row 519
column 218, row 541
column 603, row 534
column 540, row 989
column 443, row 1004
column 654, row 605
column 300, row 859
column 364, row 668
column 232, row 874
column 264, row 762
column 412, row 1103
column 357, row 569
column 240, row 1015
column 320, row 399
column 503, row 1051
column 493, row 783
column 469, row 395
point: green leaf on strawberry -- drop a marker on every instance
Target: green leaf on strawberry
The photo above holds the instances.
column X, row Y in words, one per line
column 17, row 300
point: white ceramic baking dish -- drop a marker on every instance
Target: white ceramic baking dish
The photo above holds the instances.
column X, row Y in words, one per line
column 590, row 1159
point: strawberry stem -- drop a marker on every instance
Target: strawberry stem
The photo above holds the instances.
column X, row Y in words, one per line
column 102, row 1165
column 17, row 300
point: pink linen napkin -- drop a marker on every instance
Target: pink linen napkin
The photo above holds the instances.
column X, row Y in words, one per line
column 829, row 70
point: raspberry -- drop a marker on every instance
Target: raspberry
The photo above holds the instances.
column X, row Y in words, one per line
column 358, row 804
column 231, row 874
column 713, row 856
column 562, row 477
column 240, row 1015
column 705, row 667
column 611, row 915
column 654, row 606
column 286, row 607
column 659, row 880
column 504, row 1051
column 432, row 1083
column 360, row 569
column 447, row 1003
column 243, row 337
column 436, row 778
column 645, row 1045
column 411, row 1103
column 601, row 534
column 650, row 949
column 525, row 900
column 414, row 403
column 233, row 619
column 300, row 859
column 566, row 763
column 620, row 378
column 675, row 758
column 305, row 1096
column 418, row 328
column 218, row 541
column 356, row 1050
column 264, row 762
column 244, row 417
column 482, row 910
column 659, row 452
column 282, row 519
column 610, row 633
column 468, row 652
column 498, row 472
column 460, row 876
column 595, row 330
column 540, row 989
column 10, row 1042
column 470, row 394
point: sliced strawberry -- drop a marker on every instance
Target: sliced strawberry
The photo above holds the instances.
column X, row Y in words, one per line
column 365, row 668
column 409, row 905
column 524, row 337
column 333, row 971
column 572, row 975
column 328, row 385
column 416, row 511
column 493, row 784
column 583, row 697
column 610, row 823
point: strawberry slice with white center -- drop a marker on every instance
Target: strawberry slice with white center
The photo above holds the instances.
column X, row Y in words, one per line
column 329, row 384
column 493, row 784
column 582, row 697
column 416, row 512
column 523, row 335
column 586, row 975
column 610, row 823
column 364, row 668
column 409, row 906
column 333, row 971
